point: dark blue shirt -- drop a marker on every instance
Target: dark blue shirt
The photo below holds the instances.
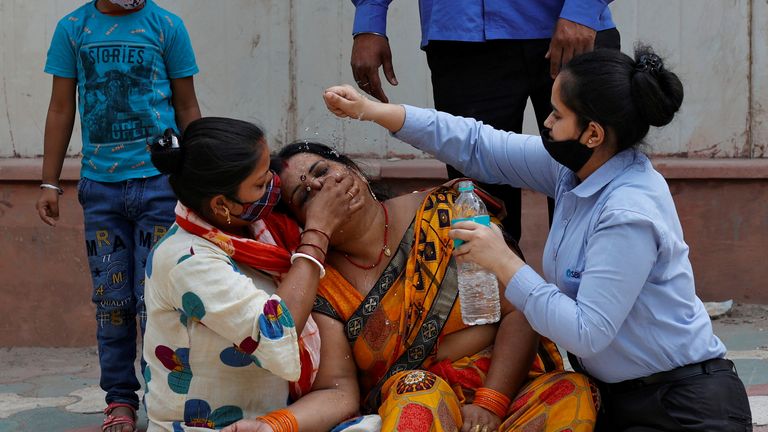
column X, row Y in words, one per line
column 483, row 20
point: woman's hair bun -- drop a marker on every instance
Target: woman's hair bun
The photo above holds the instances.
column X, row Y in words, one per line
column 166, row 151
column 656, row 91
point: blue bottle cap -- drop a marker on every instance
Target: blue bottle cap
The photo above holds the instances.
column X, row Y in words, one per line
column 466, row 186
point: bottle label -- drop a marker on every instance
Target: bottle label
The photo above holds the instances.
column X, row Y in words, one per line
column 481, row 219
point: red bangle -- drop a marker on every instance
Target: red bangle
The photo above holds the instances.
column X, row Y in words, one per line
column 281, row 420
column 492, row 400
column 322, row 251
column 327, row 237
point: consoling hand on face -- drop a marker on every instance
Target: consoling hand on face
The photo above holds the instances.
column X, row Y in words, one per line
column 336, row 200
column 322, row 194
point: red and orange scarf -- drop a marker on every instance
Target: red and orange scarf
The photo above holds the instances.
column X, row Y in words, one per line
column 274, row 239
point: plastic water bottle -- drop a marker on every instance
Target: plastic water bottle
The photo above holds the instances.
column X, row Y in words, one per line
column 478, row 288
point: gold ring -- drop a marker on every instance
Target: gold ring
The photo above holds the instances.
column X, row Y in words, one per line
column 351, row 195
column 476, row 428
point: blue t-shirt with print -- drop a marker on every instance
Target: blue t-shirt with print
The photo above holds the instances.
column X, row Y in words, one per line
column 124, row 65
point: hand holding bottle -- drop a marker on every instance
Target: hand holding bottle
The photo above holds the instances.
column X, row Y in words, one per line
column 485, row 246
column 478, row 288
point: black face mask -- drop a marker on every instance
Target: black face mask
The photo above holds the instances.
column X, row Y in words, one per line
column 570, row 153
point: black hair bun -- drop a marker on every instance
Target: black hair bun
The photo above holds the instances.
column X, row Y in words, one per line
column 656, row 91
column 167, row 152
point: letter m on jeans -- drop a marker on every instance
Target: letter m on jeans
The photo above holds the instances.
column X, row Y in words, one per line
column 90, row 245
column 145, row 239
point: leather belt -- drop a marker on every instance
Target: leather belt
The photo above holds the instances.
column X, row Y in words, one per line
column 703, row 368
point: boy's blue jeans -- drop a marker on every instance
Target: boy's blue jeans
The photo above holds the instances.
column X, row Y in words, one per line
column 122, row 222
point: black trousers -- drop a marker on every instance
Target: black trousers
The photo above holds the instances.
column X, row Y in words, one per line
column 491, row 82
column 714, row 401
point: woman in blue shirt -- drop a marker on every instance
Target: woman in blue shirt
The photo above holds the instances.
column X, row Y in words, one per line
column 618, row 289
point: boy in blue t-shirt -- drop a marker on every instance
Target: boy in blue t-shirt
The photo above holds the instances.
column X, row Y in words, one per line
column 131, row 64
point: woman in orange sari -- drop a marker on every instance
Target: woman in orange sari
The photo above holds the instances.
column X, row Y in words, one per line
column 392, row 288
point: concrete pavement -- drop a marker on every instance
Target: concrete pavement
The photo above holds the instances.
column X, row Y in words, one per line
column 56, row 389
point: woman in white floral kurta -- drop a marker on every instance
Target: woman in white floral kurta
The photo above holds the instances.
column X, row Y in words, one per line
column 229, row 289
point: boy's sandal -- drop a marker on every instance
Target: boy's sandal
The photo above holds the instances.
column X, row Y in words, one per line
column 112, row 420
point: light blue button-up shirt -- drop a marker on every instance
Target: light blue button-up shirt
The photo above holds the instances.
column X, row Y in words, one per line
column 483, row 20
column 618, row 288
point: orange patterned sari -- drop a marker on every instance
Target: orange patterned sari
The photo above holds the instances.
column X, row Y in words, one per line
column 396, row 329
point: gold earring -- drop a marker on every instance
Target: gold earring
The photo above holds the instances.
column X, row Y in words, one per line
column 226, row 212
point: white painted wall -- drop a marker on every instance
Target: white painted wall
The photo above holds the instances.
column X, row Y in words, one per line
column 269, row 60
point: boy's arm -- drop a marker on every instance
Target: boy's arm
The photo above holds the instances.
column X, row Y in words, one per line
column 58, row 131
column 184, row 101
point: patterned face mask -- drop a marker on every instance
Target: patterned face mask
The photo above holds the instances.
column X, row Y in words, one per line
column 128, row 4
column 262, row 207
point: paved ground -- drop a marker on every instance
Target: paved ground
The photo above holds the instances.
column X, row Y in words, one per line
column 56, row 389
